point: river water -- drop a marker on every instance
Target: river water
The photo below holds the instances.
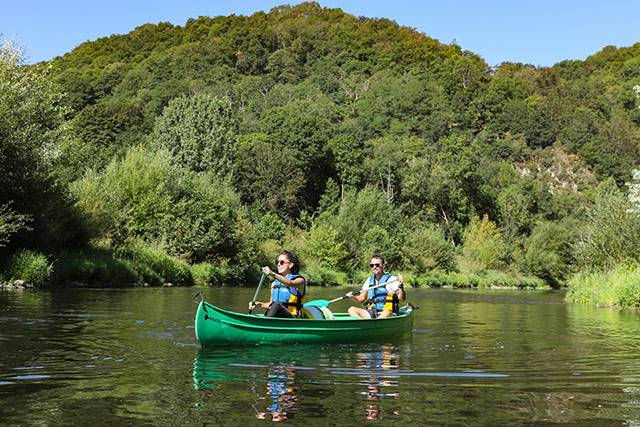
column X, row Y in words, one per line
column 502, row 357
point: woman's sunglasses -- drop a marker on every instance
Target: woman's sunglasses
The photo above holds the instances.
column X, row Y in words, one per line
column 280, row 261
column 375, row 265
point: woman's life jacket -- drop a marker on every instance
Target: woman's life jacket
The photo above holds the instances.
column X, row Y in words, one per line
column 379, row 299
column 290, row 296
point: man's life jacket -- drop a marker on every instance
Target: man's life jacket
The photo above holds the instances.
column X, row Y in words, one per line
column 379, row 299
column 290, row 296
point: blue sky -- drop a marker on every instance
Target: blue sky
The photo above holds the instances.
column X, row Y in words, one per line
column 539, row 32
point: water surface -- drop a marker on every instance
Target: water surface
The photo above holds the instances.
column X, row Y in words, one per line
column 129, row 357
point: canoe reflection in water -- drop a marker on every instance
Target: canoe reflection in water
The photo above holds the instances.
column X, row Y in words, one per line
column 378, row 364
column 280, row 380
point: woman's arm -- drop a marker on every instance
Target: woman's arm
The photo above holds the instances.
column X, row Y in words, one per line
column 283, row 279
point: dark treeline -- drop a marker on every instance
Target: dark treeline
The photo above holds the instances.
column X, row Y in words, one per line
column 196, row 152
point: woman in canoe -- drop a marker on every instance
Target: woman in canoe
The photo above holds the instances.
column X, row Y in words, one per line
column 382, row 292
column 287, row 290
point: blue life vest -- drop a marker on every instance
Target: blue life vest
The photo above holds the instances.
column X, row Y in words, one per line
column 290, row 296
column 379, row 299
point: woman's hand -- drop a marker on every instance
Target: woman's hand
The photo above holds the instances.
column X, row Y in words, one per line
column 267, row 271
column 253, row 305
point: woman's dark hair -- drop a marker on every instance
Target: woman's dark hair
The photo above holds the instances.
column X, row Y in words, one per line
column 295, row 268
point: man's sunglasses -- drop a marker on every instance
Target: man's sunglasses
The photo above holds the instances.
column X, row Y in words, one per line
column 375, row 265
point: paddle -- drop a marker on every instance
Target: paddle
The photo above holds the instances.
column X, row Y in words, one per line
column 324, row 302
column 253, row 302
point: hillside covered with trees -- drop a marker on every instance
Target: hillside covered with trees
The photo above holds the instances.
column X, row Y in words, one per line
column 195, row 153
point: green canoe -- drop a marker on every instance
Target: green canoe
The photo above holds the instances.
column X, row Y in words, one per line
column 218, row 327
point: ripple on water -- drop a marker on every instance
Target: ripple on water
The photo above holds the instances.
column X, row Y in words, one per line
column 30, row 377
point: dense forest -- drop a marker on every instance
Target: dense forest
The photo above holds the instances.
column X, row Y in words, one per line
column 194, row 154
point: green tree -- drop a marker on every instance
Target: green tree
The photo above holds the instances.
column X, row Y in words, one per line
column 30, row 126
column 484, row 247
column 549, row 251
column 146, row 196
column 427, row 249
column 325, row 247
column 304, row 127
column 366, row 223
column 612, row 233
column 10, row 223
column 200, row 132
column 269, row 176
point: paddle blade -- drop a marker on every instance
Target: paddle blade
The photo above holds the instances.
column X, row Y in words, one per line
column 317, row 303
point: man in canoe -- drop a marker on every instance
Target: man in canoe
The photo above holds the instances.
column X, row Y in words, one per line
column 287, row 290
column 381, row 291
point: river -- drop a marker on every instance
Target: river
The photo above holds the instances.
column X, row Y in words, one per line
column 475, row 357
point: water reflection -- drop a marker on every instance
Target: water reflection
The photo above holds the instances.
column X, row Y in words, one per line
column 271, row 372
column 282, row 392
column 377, row 365
column 275, row 376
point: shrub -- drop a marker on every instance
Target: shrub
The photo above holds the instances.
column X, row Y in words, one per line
column 487, row 279
column 131, row 197
column 96, row 268
column 427, row 249
column 324, row 248
column 366, row 223
column 30, row 266
column 319, row 275
column 156, row 266
column 202, row 273
column 204, row 218
column 144, row 196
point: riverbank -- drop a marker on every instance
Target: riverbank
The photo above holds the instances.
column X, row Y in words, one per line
column 142, row 265
column 79, row 271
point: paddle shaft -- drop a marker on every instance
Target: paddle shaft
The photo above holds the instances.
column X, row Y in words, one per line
column 379, row 285
column 253, row 302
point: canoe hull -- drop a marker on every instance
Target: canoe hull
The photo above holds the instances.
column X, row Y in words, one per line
column 217, row 327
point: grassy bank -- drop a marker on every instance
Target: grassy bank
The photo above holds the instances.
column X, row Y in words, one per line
column 619, row 287
column 135, row 265
column 488, row 279
column 141, row 264
column 436, row 279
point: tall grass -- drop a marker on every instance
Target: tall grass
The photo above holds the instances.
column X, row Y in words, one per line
column 137, row 263
column 155, row 266
column 487, row 279
column 95, row 269
column 619, row 287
